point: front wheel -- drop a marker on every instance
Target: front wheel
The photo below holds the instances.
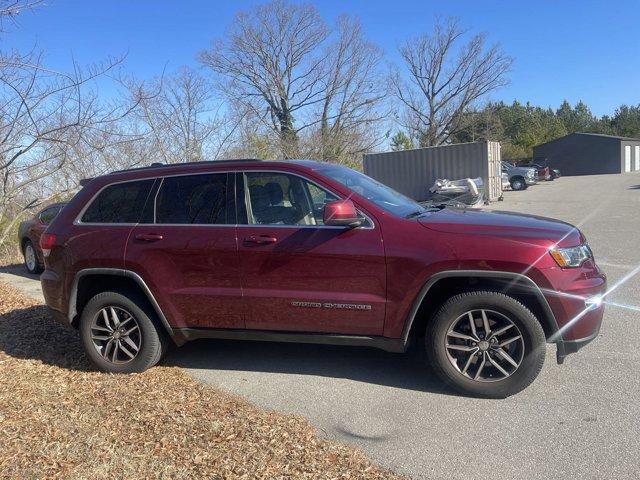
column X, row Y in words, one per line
column 486, row 344
column 120, row 334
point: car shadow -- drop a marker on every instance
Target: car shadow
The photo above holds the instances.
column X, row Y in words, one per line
column 408, row 371
column 19, row 270
column 30, row 333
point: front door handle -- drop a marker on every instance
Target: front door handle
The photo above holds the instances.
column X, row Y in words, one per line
column 149, row 237
column 260, row 239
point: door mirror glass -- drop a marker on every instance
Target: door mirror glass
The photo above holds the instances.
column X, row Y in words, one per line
column 341, row 213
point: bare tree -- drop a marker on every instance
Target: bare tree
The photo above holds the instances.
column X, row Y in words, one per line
column 44, row 117
column 269, row 59
column 354, row 91
column 181, row 118
column 316, row 87
column 446, row 77
column 10, row 9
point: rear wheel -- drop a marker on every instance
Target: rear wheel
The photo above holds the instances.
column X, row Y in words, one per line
column 30, row 258
column 486, row 344
column 119, row 333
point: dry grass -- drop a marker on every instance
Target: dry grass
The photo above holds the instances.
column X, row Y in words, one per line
column 9, row 255
column 60, row 419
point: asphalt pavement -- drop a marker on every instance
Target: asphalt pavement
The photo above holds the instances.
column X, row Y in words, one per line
column 578, row 420
column 581, row 419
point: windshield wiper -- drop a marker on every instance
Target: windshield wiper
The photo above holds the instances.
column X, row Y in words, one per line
column 417, row 213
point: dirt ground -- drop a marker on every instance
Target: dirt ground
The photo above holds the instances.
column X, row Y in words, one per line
column 61, row 419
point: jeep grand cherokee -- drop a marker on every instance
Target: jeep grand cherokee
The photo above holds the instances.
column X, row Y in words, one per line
column 303, row 251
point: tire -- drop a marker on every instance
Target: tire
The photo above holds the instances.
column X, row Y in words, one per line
column 518, row 184
column 449, row 361
column 31, row 258
column 150, row 340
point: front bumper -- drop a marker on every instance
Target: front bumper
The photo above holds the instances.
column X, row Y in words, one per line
column 531, row 180
column 567, row 347
column 579, row 313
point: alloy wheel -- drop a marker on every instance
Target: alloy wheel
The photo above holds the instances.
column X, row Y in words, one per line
column 30, row 257
column 116, row 335
column 484, row 345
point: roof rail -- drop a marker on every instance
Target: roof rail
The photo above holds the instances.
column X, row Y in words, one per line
column 174, row 165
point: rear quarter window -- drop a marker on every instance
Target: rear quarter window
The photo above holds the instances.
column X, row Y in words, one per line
column 48, row 214
column 119, row 203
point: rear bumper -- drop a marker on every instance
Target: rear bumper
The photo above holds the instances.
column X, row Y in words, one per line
column 53, row 290
column 60, row 317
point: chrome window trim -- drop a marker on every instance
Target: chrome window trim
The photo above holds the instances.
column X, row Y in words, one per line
column 78, row 221
column 155, row 202
column 295, row 174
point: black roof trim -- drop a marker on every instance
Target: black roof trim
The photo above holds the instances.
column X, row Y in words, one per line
column 163, row 166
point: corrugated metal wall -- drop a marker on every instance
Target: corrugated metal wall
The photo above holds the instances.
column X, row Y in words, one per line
column 413, row 172
column 494, row 190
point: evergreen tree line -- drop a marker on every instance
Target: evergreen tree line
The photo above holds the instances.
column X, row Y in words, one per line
column 519, row 127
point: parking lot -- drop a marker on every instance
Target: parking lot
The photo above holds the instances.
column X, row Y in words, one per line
column 580, row 419
column 577, row 420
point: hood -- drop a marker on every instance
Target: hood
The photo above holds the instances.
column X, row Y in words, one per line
column 505, row 224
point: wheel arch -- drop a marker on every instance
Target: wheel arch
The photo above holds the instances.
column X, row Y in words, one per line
column 443, row 285
column 23, row 243
column 91, row 281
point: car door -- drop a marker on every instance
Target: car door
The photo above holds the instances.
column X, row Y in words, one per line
column 301, row 275
column 185, row 249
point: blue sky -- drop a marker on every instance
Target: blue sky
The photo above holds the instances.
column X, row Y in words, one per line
column 578, row 50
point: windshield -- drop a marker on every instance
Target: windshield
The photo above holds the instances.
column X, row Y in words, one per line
column 383, row 196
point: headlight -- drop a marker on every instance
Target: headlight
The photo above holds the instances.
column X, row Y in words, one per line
column 572, row 256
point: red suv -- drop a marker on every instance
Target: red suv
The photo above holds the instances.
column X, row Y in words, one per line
column 301, row 251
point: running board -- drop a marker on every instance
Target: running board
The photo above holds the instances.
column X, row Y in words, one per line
column 183, row 335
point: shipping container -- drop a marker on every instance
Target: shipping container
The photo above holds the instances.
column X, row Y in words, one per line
column 413, row 172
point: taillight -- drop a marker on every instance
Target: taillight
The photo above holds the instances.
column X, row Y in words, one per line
column 47, row 241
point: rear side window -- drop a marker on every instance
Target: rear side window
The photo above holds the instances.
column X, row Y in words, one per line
column 194, row 199
column 119, row 203
column 47, row 215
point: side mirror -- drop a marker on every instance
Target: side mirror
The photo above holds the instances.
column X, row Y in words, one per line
column 341, row 213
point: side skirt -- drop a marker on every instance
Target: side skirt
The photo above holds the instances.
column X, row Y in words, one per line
column 183, row 335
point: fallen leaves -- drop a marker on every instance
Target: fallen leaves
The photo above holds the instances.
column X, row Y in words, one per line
column 61, row 419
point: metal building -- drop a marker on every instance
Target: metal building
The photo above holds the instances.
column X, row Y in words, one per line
column 591, row 154
column 412, row 172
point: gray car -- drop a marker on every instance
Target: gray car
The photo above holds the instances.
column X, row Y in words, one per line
column 519, row 177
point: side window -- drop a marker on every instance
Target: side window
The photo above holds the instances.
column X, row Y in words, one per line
column 282, row 199
column 119, row 203
column 194, row 199
column 48, row 214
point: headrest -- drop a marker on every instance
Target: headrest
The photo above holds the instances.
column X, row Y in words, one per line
column 274, row 190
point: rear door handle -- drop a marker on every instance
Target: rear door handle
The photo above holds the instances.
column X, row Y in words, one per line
column 260, row 239
column 149, row 237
